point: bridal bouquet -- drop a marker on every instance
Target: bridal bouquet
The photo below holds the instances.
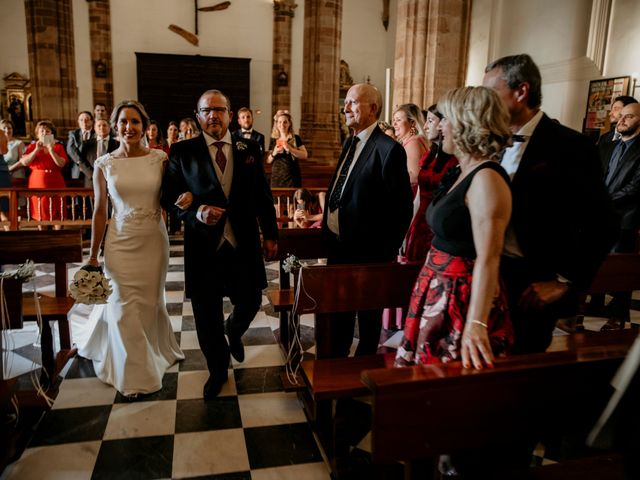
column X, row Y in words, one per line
column 90, row 286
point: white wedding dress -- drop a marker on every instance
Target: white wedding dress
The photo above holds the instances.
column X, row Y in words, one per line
column 130, row 339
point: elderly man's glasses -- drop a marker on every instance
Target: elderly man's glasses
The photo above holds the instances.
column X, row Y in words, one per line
column 205, row 112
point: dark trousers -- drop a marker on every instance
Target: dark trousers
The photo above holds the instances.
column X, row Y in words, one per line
column 532, row 329
column 229, row 278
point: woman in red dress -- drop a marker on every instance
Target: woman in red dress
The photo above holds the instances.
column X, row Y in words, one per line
column 154, row 137
column 433, row 166
column 45, row 157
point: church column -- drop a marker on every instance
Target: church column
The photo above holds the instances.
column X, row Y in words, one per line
column 101, row 58
column 319, row 125
column 431, row 49
column 283, row 11
column 52, row 65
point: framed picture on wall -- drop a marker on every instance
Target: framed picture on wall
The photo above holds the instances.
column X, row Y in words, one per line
column 602, row 93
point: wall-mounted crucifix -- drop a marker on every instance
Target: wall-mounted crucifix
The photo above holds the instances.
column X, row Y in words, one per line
column 191, row 37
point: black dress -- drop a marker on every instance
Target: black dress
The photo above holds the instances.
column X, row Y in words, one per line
column 285, row 171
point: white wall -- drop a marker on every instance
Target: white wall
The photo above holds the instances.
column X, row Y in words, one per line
column 13, row 39
column 555, row 33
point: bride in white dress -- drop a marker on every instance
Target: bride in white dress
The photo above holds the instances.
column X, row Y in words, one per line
column 132, row 343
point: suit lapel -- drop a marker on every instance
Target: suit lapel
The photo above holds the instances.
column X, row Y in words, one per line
column 363, row 159
column 202, row 157
column 627, row 162
column 534, row 150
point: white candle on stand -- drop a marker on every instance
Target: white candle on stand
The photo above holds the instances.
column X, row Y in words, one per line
column 279, row 213
column 387, row 95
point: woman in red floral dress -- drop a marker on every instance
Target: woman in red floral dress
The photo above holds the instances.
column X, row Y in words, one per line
column 458, row 310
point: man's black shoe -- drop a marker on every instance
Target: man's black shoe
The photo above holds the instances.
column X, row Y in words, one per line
column 236, row 347
column 213, row 387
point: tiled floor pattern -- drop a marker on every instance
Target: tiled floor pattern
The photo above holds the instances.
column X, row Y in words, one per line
column 253, row 430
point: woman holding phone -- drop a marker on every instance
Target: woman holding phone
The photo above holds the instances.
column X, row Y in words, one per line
column 45, row 157
column 285, row 149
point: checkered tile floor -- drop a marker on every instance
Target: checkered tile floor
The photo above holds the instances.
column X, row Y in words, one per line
column 254, row 430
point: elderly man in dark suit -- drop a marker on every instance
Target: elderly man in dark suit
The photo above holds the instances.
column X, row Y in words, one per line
column 368, row 211
column 562, row 223
column 245, row 120
column 223, row 257
column 83, row 133
column 621, row 163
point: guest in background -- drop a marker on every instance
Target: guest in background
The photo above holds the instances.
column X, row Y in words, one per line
column 614, row 116
column 434, row 165
column 74, row 143
column 154, row 137
column 15, row 150
column 173, row 133
column 188, row 128
column 407, row 126
column 5, row 177
column 285, row 149
column 46, row 158
column 458, row 310
column 100, row 112
column 387, row 129
column 309, row 208
column 100, row 144
column 245, row 120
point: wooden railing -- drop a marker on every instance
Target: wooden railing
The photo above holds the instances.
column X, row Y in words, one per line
column 68, row 207
column 73, row 206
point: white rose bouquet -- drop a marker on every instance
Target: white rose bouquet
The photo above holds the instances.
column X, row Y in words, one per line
column 291, row 264
column 90, row 286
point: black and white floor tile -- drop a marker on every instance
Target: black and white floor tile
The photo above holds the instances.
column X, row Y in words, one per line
column 253, row 430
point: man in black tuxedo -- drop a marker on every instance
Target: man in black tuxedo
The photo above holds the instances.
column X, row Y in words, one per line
column 368, row 211
column 245, row 120
column 222, row 250
column 562, row 224
column 621, row 163
column 99, row 144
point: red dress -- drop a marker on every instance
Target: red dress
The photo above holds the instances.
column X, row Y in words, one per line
column 433, row 166
column 45, row 174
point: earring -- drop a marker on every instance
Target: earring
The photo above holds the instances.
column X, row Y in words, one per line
column 413, row 131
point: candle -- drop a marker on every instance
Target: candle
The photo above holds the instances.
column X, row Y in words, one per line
column 279, row 212
column 288, row 208
column 387, row 95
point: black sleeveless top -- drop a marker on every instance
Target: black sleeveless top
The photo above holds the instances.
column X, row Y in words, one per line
column 449, row 217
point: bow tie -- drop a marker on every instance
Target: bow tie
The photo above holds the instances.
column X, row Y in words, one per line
column 518, row 138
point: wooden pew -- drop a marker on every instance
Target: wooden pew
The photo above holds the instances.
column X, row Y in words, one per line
column 343, row 288
column 57, row 247
column 304, row 243
column 619, row 272
column 425, row 411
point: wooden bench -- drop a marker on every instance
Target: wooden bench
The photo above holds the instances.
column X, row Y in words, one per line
column 425, row 411
column 304, row 243
column 619, row 272
column 57, row 247
column 343, row 288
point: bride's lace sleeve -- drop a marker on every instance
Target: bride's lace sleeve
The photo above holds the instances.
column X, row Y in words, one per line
column 103, row 162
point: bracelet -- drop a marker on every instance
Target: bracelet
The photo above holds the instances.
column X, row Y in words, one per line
column 479, row 323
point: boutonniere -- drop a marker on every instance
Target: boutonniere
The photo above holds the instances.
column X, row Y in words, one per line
column 241, row 146
column 249, row 159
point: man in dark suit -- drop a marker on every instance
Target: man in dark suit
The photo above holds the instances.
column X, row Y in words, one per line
column 621, row 163
column 99, row 144
column 614, row 115
column 368, row 211
column 222, row 249
column 245, row 120
column 74, row 143
column 562, row 223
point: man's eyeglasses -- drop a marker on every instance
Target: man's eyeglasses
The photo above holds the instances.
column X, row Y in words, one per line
column 205, row 112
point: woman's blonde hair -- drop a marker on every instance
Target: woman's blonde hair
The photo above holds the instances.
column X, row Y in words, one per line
column 479, row 119
column 275, row 133
column 414, row 117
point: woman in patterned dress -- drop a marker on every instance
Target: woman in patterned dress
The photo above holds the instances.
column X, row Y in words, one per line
column 458, row 310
